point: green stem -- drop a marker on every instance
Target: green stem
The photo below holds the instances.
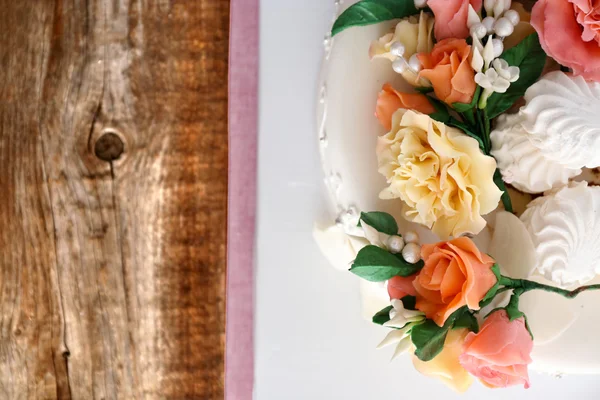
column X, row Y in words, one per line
column 524, row 286
column 487, row 126
column 514, row 299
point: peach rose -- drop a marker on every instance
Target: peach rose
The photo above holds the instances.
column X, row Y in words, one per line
column 449, row 70
column 445, row 366
column 499, row 354
column 400, row 286
column 455, row 274
column 451, row 17
column 390, row 100
column 569, row 32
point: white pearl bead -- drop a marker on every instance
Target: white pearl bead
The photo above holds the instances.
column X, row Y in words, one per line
column 397, row 49
column 414, row 63
column 412, row 253
column 411, row 237
column 488, row 23
column 395, row 244
column 479, row 31
column 420, row 3
column 503, row 27
column 513, row 16
column 498, row 47
column 399, row 65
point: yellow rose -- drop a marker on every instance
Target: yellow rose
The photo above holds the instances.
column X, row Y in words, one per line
column 441, row 175
column 416, row 34
column 445, row 366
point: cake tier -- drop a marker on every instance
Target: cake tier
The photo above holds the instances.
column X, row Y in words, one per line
column 566, row 339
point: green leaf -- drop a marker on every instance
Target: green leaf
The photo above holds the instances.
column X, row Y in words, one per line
column 382, row 222
column 505, row 196
column 367, row 12
column 492, row 292
column 467, row 320
column 410, row 302
column 467, row 130
column 382, row 316
column 530, row 58
column 377, row 265
column 429, row 338
column 441, row 113
column 462, row 107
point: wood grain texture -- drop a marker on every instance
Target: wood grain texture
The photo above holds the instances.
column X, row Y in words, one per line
column 112, row 272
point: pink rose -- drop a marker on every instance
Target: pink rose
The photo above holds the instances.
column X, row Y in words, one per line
column 499, row 354
column 400, row 286
column 451, row 17
column 569, row 32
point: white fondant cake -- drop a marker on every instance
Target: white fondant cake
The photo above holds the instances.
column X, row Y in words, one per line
column 348, row 132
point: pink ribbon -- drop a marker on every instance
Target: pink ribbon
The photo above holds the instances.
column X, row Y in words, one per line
column 243, row 129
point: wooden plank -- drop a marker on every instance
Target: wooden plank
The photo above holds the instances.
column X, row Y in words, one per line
column 113, row 144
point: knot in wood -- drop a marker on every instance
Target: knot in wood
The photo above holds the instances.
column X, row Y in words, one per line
column 109, row 146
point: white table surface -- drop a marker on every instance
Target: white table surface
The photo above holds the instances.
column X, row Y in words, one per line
column 311, row 341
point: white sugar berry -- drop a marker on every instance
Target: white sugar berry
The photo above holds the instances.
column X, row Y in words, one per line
column 513, row 16
column 412, row 253
column 420, row 3
column 395, row 244
column 488, row 23
column 478, row 30
column 503, row 27
column 414, row 63
column 411, row 237
column 399, row 65
column 397, row 49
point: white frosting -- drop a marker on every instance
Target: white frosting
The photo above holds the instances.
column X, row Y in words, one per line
column 565, row 342
column 522, row 164
column 565, row 227
column 563, row 116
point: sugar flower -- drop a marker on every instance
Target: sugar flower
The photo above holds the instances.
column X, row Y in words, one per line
column 456, row 274
column 400, row 317
column 499, row 354
column 390, row 100
column 444, row 180
column 569, row 32
column 448, row 69
column 496, row 79
column 445, row 366
column 411, row 36
column 403, row 321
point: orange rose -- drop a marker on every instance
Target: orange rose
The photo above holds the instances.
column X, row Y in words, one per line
column 455, row 274
column 390, row 100
column 449, row 70
column 400, row 286
column 499, row 354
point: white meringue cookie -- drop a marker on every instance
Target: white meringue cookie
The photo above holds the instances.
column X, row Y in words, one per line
column 563, row 116
column 522, row 164
column 565, row 229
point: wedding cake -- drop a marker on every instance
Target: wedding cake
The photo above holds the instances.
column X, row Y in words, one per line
column 459, row 142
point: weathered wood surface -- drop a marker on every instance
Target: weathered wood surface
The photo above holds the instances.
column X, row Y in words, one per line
column 112, row 266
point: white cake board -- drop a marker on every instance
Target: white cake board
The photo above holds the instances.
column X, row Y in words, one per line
column 311, row 340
